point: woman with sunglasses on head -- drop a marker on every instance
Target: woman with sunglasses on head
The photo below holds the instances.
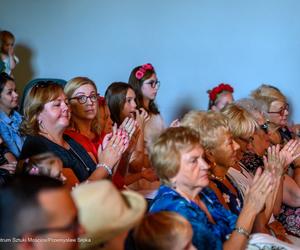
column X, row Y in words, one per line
column 10, row 119
column 47, row 115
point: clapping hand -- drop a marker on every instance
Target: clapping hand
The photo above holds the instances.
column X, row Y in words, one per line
column 275, row 161
column 290, row 151
column 113, row 146
column 257, row 193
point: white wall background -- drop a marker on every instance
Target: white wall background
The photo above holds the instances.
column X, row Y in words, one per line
column 193, row 44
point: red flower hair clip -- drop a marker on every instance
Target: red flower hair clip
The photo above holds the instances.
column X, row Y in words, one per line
column 142, row 70
column 213, row 94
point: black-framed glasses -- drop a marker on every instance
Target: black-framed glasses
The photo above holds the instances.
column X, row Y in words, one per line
column 154, row 84
column 82, row 99
column 281, row 111
column 264, row 127
column 72, row 227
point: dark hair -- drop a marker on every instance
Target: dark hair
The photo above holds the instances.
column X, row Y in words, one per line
column 4, row 78
column 20, row 210
column 5, row 34
column 137, row 85
column 115, row 97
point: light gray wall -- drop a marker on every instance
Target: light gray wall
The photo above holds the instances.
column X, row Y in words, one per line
column 193, row 44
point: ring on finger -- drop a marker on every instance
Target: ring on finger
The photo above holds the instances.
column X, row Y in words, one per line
column 114, row 145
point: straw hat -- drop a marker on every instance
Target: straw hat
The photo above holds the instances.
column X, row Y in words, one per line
column 104, row 212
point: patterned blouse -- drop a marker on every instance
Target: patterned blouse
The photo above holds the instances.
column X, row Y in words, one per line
column 235, row 203
column 206, row 234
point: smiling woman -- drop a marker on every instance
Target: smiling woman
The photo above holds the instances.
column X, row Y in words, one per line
column 47, row 115
column 10, row 119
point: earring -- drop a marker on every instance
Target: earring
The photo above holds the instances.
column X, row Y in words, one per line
column 41, row 124
column 173, row 184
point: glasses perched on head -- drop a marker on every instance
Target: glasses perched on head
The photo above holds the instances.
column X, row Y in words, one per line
column 82, row 99
column 281, row 111
column 154, row 84
column 72, row 227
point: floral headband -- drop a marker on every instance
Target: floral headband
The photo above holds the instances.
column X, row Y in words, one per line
column 142, row 70
column 217, row 90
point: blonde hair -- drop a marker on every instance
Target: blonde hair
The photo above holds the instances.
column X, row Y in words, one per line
column 207, row 124
column 165, row 153
column 69, row 90
column 34, row 103
column 269, row 92
column 161, row 231
column 241, row 122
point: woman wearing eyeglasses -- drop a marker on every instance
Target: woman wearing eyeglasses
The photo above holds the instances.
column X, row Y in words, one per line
column 47, row 115
column 145, row 83
column 85, row 118
column 277, row 111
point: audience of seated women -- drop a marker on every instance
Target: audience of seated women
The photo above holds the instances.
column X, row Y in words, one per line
column 179, row 161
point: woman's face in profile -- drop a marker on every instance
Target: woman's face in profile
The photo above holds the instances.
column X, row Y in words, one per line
column 129, row 107
column 278, row 113
column 225, row 152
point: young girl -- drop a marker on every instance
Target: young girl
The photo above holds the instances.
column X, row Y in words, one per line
column 10, row 119
column 220, row 96
column 144, row 81
column 7, row 53
column 121, row 100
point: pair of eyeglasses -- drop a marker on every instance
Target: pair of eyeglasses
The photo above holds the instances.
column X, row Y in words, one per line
column 72, row 227
column 282, row 110
column 154, row 84
column 82, row 99
column 264, row 127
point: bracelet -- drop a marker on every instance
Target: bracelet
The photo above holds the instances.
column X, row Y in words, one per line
column 242, row 231
column 107, row 168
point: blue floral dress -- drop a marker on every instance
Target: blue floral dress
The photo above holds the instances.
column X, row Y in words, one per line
column 206, row 234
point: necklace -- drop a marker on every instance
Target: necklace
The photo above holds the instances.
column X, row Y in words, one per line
column 219, row 178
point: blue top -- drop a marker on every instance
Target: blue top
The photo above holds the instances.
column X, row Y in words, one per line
column 206, row 234
column 10, row 131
